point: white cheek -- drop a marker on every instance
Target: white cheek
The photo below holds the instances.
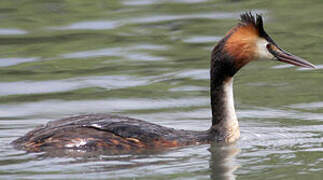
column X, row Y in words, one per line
column 262, row 51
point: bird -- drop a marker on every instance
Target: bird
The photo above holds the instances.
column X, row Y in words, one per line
column 244, row 43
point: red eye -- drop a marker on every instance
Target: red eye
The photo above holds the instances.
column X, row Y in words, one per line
column 268, row 46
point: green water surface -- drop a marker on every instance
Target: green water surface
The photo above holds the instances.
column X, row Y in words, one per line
column 149, row 59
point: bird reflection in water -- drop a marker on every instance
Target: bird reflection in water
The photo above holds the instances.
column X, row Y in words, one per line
column 223, row 162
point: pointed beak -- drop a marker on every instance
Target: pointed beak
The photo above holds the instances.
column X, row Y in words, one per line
column 286, row 57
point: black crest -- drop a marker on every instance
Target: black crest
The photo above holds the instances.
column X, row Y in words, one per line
column 249, row 19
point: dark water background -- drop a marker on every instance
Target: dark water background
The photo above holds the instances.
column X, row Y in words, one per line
column 149, row 59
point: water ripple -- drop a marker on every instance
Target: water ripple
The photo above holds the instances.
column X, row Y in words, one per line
column 95, row 106
column 195, row 74
column 4, row 62
column 38, row 87
column 150, row 2
column 89, row 25
column 308, row 106
column 4, row 31
column 203, row 39
column 161, row 18
column 121, row 52
column 267, row 113
column 319, row 66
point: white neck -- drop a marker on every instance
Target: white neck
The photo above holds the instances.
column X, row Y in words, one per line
column 228, row 128
column 231, row 117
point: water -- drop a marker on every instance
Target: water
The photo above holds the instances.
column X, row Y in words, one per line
column 149, row 59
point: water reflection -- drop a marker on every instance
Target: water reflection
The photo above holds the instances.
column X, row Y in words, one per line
column 223, row 161
column 220, row 162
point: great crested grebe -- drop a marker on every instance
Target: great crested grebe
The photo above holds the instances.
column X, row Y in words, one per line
column 245, row 42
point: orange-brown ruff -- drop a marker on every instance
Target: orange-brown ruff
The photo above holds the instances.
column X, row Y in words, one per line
column 242, row 44
column 117, row 134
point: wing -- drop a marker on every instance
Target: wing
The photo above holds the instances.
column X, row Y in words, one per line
column 99, row 131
